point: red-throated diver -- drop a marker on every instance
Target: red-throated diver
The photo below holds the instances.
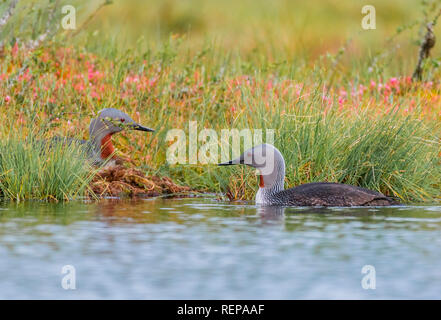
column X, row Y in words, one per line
column 271, row 165
column 99, row 147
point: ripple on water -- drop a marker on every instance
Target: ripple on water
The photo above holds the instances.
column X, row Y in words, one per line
column 201, row 248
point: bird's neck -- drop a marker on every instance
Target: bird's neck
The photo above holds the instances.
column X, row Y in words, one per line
column 102, row 144
column 265, row 194
column 107, row 148
column 271, row 184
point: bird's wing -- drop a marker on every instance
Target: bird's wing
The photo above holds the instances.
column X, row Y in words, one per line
column 332, row 194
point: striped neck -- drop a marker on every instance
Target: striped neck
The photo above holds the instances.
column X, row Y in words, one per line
column 270, row 185
column 267, row 195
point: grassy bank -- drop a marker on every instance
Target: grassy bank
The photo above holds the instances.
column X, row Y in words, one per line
column 31, row 169
column 337, row 117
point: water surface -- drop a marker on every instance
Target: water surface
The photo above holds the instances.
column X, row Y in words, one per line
column 206, row 249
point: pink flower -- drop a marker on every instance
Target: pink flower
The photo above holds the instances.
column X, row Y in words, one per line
column 95, row 95
column 79, row 87
column 343, row 93
column 395, row 84
column 393, row 81
column 269, row 85
column 341, row 100
column 7, row 99
column 15, row 49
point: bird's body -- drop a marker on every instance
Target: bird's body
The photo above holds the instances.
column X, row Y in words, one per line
column 92, row 153
column 324, row 194
column 271, row 164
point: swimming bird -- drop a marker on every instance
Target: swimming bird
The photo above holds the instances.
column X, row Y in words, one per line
column 270, row 163
column 99, row 147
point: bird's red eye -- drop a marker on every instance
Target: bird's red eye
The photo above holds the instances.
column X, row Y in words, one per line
column 122, row 120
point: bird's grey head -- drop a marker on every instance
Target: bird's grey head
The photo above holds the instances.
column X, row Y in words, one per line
column 264, row 157
column 268, row 161
column 110, row 121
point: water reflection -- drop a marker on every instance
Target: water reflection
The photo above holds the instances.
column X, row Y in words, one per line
column 271, row 214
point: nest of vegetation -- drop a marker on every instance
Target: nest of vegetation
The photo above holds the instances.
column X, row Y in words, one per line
column 120, row 181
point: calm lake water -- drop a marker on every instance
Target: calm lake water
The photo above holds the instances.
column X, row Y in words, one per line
column 206, row 249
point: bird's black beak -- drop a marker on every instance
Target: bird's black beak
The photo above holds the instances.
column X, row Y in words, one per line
column 233, row 162
column 141, row 128
column 228, row 163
